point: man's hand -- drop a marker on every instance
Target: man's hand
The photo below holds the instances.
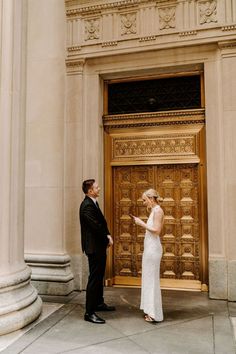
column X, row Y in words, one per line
column 110, row 240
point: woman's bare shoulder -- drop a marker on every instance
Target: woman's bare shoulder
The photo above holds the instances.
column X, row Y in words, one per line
column 158, row 210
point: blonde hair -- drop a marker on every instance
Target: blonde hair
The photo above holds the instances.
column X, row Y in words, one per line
column 152, row 193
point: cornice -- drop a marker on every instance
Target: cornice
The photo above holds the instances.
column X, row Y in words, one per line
column 154, row 119
column 105, row 6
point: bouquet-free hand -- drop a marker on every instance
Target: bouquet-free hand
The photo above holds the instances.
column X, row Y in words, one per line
column 110, row 240
column 138, row 221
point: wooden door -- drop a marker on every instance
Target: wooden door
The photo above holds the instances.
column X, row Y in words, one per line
column 179, row 185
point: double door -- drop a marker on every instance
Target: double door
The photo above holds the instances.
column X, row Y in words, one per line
column 179, row 186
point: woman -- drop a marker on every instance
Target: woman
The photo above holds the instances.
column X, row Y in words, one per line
column 151, row 302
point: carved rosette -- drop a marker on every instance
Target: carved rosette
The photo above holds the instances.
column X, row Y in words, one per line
column 92, row 28
column 128, row 23
column 167, row 17
column 208, row 12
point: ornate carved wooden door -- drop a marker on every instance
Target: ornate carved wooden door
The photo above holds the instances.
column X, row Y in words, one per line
column 179, row 186
column 166, row 151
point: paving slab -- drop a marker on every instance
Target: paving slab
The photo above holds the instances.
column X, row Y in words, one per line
column 188, row 337
column 118, row 346
column 193, row 324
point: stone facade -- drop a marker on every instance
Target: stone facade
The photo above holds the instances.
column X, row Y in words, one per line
column 131, row 38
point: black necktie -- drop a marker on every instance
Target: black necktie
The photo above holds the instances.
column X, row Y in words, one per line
column 97, row 205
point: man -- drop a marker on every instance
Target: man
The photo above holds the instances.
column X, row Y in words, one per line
column 95, row 238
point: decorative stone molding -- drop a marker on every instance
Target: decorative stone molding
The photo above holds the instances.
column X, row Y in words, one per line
column 105, row 6
column 92, row 28
column 207, row 11
column 74, row 66
column 228, row 28
column 76, row 48
column 128, row 23
column 153, row 119
column 147, row 38
column 109, row 44
column 167, row 17
column 20, row 303
column 227, row 49
column 108, row 23
column 187, row 33
column 51, row 274
column 227, row 44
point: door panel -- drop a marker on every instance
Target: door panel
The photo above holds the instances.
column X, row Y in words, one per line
column 179, row 186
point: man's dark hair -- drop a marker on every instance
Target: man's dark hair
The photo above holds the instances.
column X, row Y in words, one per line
column 87, row 184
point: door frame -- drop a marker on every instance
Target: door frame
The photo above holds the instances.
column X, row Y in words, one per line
column 190, row 122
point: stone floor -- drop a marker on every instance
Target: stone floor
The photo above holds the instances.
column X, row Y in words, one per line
column 193, row 324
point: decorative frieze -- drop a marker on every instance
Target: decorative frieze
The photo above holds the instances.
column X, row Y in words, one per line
column 150, row 147
column 167, row 17
column 128, row 23
column 207, row 12
column 140, row 21
column 92, row 27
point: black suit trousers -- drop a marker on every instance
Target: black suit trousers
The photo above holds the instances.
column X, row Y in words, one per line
column 94, row 291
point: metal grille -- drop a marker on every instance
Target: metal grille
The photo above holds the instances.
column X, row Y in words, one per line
column 154, row 95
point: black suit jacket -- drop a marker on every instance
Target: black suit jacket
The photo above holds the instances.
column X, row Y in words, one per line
column 94, row 228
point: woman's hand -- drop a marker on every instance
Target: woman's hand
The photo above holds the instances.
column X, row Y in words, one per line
column 138, row 221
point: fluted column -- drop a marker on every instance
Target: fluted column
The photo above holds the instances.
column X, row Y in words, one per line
column 45, row 248
column 19, row 302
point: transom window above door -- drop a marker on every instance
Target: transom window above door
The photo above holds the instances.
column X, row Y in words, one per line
column 153, row 95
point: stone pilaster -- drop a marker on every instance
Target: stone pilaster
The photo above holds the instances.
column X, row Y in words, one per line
column 19, row 301
column 222, row 201
column 228, row 67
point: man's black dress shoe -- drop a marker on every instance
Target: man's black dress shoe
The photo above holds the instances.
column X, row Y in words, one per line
column 94, row 318
column 105, row 307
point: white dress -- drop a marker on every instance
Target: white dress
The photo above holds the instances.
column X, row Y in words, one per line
column 151, row 302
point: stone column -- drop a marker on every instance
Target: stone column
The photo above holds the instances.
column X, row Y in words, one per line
column 45, row 248
column 19, row 302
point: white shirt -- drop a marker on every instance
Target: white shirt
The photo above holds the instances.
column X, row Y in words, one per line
column 94, row 200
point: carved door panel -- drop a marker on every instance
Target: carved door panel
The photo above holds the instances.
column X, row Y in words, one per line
column 129, row 184
column 179, row 186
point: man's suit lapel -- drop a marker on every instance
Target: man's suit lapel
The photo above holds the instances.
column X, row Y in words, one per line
column 96, row 209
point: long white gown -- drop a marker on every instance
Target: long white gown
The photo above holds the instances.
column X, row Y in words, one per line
column 151, row 302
